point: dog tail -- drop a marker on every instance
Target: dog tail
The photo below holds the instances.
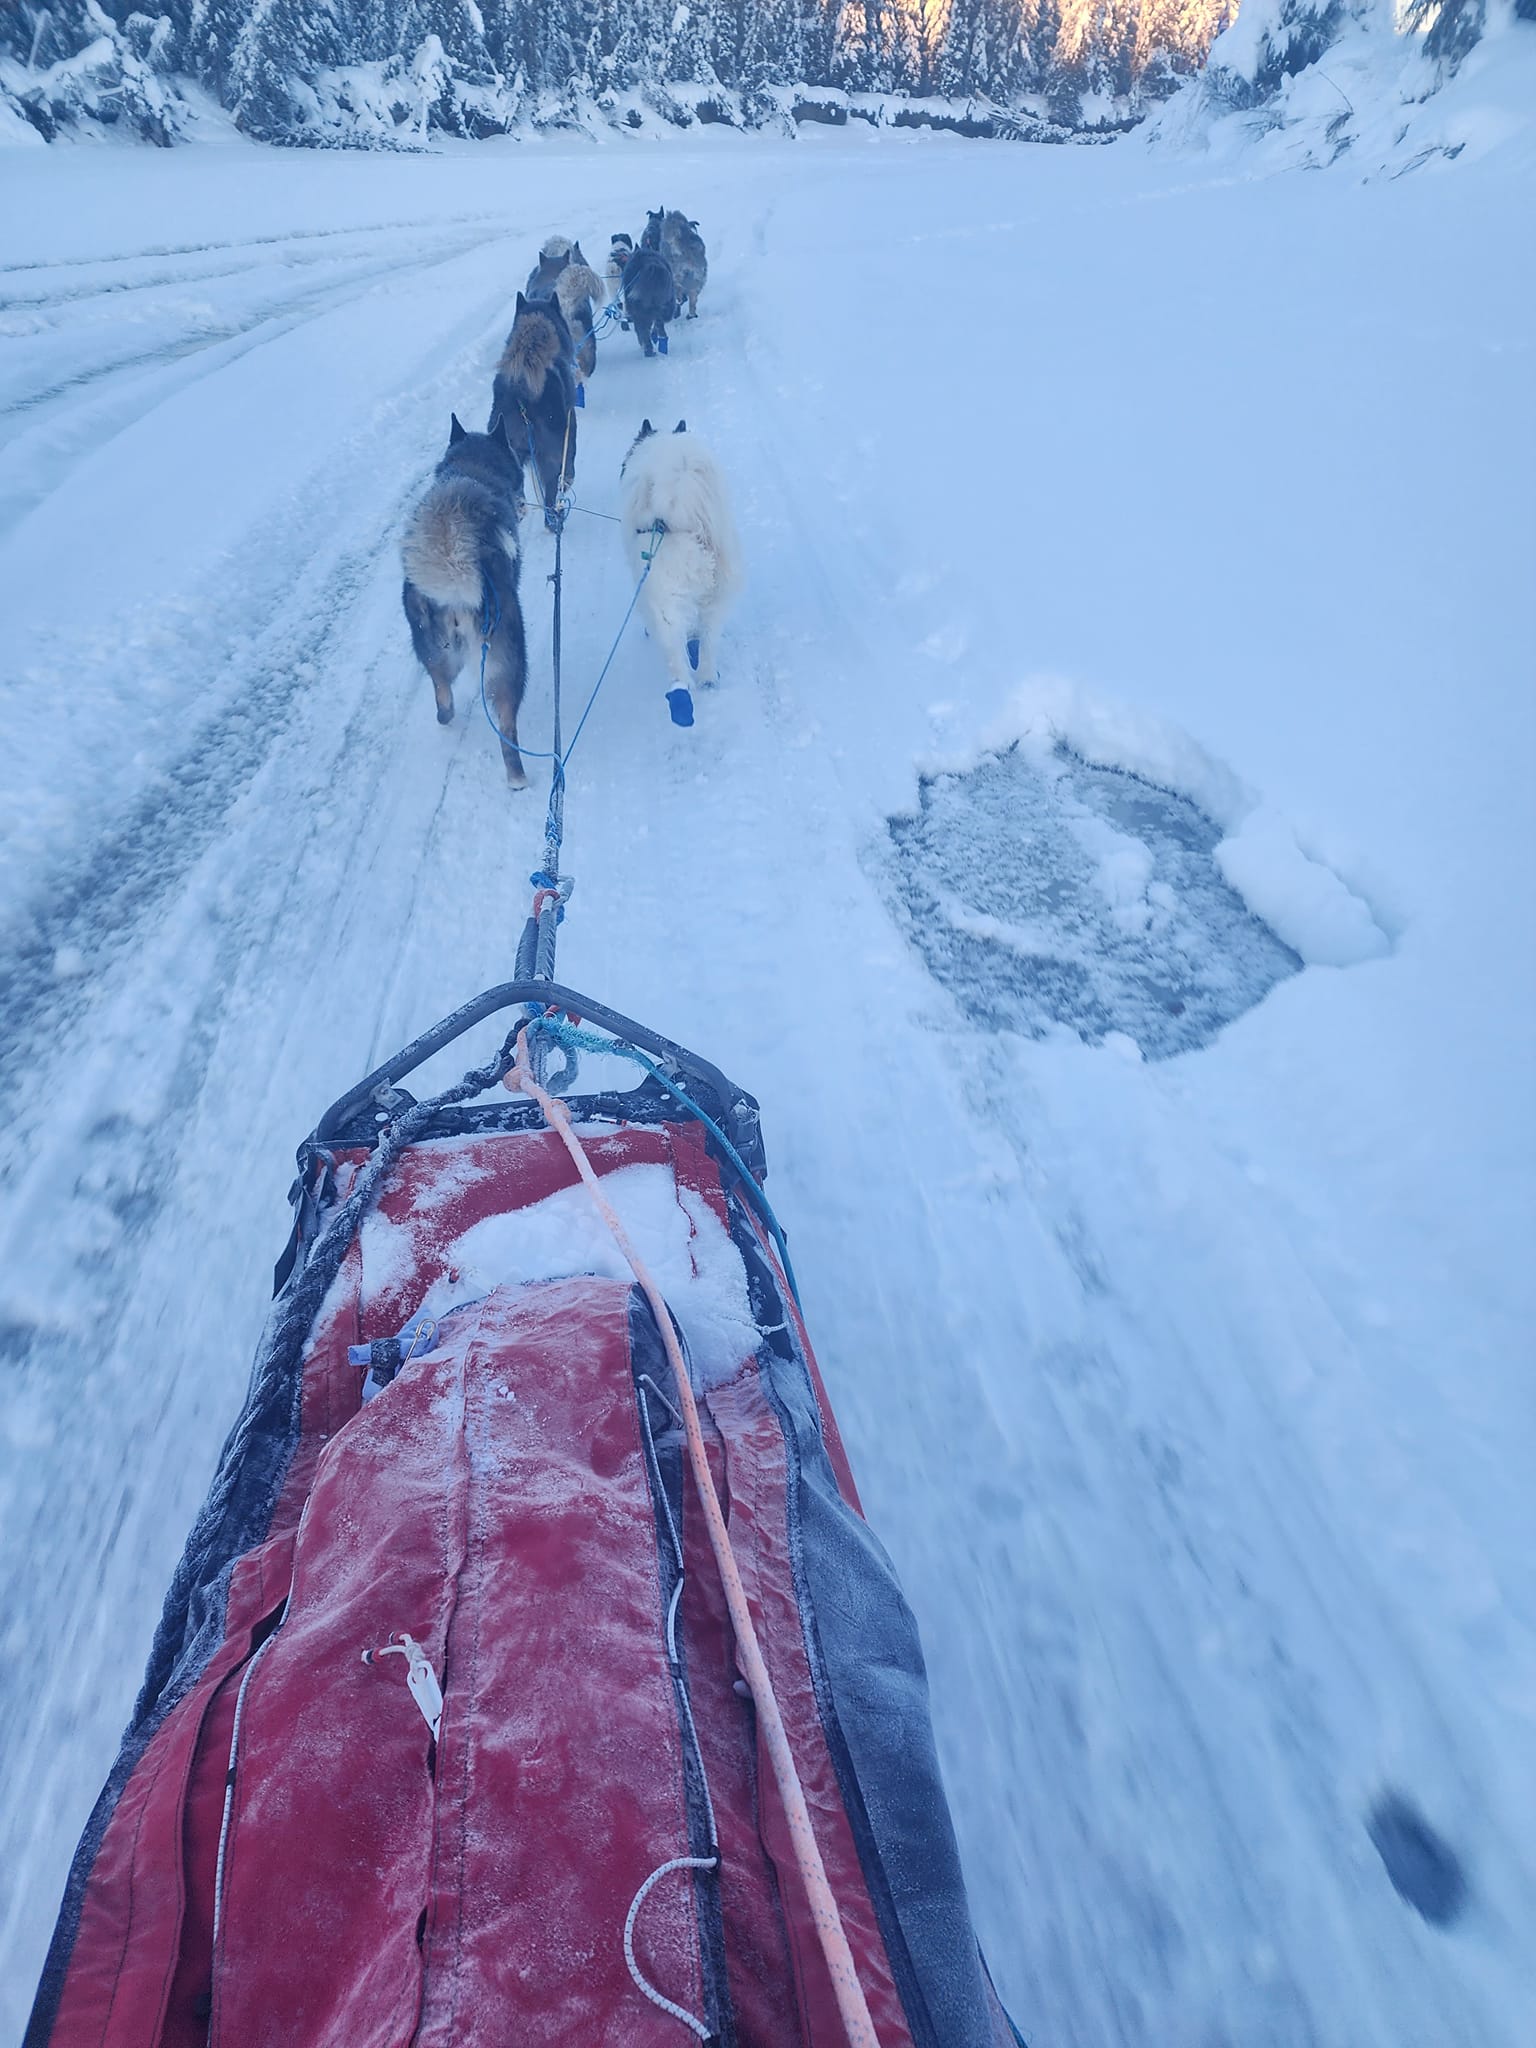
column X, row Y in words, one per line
column 533, row 348
column 443, row 544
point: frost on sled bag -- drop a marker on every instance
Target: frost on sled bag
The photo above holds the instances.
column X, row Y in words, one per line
column 443, row 1738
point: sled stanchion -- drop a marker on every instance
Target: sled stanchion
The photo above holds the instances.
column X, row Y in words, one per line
column 831, row 1935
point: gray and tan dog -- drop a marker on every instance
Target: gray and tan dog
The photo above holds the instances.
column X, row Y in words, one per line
column 675, row 236
column 579, row 290
column 461, row 562
column 535, row 393
column 553, row 257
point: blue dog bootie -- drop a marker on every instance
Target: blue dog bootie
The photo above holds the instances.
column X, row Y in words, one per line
column 661, row 343
column 680, row 704
column 581, row 395
column 693, row 654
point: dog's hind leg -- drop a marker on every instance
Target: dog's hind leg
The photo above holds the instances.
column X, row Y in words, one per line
column 670, row 630
column 709, row 644
column 520, row 484
column 504, row 696
column 443, row 673
column 439, row 646
column 506, row 665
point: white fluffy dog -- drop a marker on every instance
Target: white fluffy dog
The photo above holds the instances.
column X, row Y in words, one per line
column 620, row 249
column 672, row 481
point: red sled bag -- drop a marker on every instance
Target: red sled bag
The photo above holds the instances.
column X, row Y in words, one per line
column 446, row 1737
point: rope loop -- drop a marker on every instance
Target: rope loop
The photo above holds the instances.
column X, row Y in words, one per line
column 678, row 2012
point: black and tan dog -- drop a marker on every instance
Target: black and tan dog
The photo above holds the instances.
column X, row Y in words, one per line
column 650, row 298
column 535, row 394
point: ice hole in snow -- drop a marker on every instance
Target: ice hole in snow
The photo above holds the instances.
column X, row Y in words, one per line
column 1042, row 891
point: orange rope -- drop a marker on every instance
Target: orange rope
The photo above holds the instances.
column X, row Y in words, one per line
column 851, row 2002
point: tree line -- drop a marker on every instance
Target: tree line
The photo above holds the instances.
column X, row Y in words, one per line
column 486, row 65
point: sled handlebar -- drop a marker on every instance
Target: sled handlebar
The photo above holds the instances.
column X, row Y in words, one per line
column 509, row 995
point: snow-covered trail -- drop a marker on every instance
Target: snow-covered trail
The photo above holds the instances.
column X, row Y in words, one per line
column 1139, row 1365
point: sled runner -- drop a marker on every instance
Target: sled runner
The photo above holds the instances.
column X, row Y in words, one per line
column 450, row 1733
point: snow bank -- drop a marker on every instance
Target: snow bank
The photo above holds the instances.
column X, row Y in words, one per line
column 1301, row 84
column 1300, row 899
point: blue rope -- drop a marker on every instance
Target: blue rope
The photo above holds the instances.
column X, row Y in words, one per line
column 547, row 876
column 576, row 1040
column 613, row 650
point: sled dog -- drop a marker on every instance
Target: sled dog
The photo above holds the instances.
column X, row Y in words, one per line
column 579, row 291
column 672, row 479
column 678, row 239
column 535, row 393
column 461, row 560
column 620, row 248
column 650, row 297
column 553, row 257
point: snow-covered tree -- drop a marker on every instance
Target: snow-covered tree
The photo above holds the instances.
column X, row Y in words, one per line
column 372, row 69
column 876, row 46
column 69, row 62
column 1450, row 27
column 985, row 47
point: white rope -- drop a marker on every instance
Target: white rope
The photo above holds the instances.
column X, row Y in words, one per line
column 229, row 1788
column 677, row 2012
column 677, row 1594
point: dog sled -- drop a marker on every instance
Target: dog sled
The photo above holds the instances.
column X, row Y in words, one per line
column 531, row 1673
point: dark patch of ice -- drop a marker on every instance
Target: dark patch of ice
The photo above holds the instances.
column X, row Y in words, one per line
column 1043, row 891
column 1425, row 1870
